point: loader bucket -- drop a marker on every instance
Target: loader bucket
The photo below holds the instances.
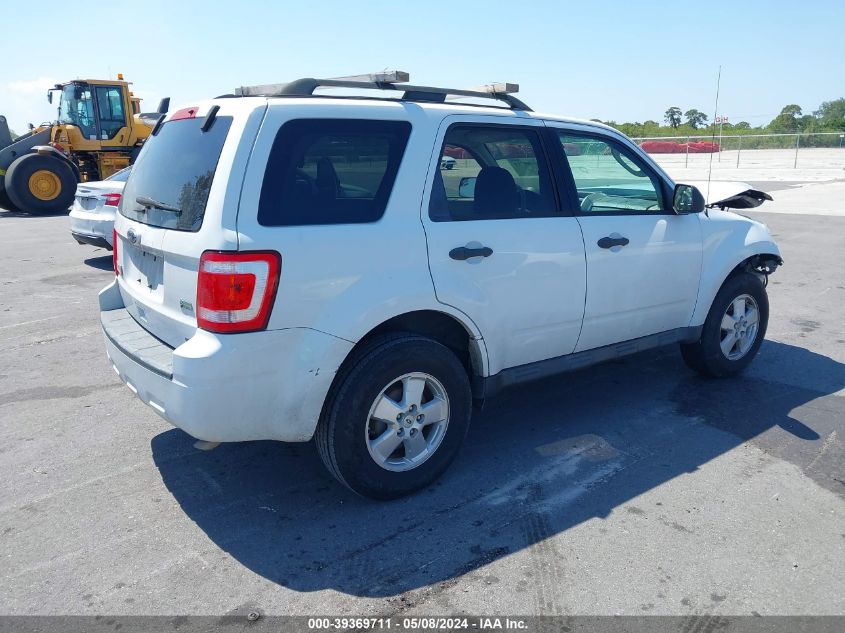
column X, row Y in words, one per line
column 5, row 134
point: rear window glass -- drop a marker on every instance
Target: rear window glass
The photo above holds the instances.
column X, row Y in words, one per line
column 170, row 181
column 120, row 176
column 331, row 171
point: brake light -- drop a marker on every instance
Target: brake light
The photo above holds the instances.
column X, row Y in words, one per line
column 236, row 290
column 185, row 113
column 111, row 199
column 114, row 241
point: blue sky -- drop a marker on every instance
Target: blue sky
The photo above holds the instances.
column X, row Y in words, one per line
column 625, row 61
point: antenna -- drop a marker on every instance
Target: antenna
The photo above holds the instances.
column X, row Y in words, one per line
column 713, row 137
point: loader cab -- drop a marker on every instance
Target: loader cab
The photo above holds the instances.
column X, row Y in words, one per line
column 101, row 110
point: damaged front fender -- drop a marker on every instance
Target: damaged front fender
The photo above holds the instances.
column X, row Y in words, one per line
column 730, row 195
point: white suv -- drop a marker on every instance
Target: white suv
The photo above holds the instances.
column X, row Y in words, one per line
column 291, row 266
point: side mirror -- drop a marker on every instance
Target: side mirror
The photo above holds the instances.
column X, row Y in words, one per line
column 49, row 96
column 466, row 188
column 687, row 199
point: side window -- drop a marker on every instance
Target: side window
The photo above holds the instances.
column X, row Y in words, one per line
column 110, row 103
column 491, row 172
column 609, row 178
column 331, row 171
column 79, row 110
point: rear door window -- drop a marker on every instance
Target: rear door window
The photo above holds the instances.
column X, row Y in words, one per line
column 171, row 179
column 331, row 171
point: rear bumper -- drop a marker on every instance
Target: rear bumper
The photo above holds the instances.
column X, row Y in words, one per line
column 91, row 228
column 226, row 388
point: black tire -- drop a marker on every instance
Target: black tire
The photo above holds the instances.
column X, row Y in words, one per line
column 341, row 435
column 6, row 201
column 18, row 184
column 705, row 355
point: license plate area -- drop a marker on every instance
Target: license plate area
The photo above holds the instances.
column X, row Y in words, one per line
column 89, row 203
column 143, row 272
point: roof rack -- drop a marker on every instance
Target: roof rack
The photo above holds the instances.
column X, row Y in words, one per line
column 388, row 80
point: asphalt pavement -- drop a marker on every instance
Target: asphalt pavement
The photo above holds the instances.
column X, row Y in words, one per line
column 634, row 487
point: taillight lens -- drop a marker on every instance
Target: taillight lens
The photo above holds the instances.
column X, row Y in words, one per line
column 114, row 242
column 111, row 199
column 235, row 291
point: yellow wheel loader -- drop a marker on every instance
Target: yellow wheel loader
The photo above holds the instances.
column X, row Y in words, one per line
column 99, row 130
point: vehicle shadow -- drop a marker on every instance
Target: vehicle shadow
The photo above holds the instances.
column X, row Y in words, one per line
column 102, row 262
column 4, row 213
column 538, row 460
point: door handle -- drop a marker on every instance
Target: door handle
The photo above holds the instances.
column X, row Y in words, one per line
column 610, row 242
column 462, row 253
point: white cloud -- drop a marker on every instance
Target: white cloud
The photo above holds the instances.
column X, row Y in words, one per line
column 25, row 101
column 32, row 86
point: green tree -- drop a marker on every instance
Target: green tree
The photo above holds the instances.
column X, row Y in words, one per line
column 807, row 123
column 787, row 121
column 695, row 118
column 831, row 114
column 743, row 125
column 672, row 116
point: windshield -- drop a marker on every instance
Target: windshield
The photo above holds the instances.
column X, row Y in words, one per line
column 76, row 107
column 171, row 180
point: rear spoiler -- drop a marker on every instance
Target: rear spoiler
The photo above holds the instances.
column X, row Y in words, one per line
column 151, row 118
column 730, row 195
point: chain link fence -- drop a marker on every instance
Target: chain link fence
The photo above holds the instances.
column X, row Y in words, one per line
column 741, row 150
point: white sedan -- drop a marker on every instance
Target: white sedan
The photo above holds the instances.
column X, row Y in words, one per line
column 94, row 207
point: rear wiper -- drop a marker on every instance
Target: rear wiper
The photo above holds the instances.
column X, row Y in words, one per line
column 155, row 204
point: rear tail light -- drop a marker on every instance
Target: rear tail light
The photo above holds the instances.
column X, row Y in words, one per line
column 111, row 199
column 235, row 291
column 114, row 242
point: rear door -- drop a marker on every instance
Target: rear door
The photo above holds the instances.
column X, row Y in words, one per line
column 180, row 200
column 334, row 186
column 499, row 249
column 643, row 260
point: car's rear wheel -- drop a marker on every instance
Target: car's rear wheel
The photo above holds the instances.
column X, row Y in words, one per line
column 396, row 417
column 734, row 328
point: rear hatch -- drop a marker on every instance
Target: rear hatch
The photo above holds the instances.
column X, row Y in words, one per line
column 180, row 200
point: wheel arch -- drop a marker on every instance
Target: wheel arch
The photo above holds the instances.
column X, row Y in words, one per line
column 760, row 258
column 441, row 326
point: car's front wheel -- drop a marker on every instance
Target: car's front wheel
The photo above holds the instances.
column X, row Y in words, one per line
column 396, row 417
column 734, row 328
